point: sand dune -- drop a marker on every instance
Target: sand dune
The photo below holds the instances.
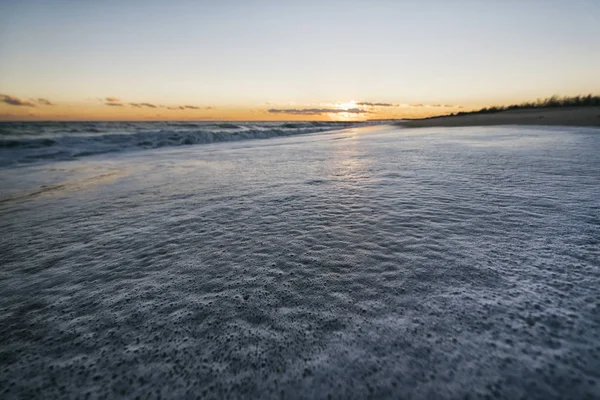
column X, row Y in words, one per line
column 569, row 116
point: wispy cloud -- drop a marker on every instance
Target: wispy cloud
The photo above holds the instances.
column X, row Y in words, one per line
column 15, row 101
column 369, row 104
column 140, row 105
column 316, row 111
column 44, row 102
column 117, row 102
column 112, row 101
column 435, row 105
column 190, row 107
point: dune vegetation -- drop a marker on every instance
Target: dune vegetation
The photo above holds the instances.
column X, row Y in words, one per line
column 550, row 102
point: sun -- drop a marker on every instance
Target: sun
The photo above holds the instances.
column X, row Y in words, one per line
column 346, row 106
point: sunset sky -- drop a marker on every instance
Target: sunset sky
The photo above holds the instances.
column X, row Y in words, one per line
column 289, row 60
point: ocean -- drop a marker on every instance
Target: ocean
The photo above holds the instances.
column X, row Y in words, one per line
column 331, row 260
column 30, row 142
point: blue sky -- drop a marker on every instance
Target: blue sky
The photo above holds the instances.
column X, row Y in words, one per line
column 250, row 54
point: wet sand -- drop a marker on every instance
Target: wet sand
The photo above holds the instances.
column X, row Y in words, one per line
column 570, row 116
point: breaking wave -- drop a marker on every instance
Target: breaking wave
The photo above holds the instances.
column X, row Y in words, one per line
column 34, row 142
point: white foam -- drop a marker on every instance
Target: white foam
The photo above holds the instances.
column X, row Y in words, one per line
column 433, row 263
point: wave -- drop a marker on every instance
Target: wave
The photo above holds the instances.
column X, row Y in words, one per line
column 29, row 143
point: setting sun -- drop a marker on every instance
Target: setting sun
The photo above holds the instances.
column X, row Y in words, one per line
column 347, row 106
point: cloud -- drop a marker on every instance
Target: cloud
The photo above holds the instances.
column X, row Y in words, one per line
column 112, row 101
column 444, row 106
column 14, row 101
column 316, row 111
column 190, row 107
column 140, row 105
column 366, row 103
column 44, row 102
column 435, row 105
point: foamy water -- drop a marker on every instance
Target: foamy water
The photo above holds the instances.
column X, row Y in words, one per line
column 368, row 262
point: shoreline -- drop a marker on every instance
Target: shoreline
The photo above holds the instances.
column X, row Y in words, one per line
column 568, row 116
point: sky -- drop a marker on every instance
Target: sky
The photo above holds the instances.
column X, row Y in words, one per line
column 289, row 60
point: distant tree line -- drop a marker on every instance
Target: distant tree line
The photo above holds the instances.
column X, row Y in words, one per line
column 550, row 102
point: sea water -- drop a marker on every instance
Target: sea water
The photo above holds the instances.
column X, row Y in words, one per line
column 361, row 262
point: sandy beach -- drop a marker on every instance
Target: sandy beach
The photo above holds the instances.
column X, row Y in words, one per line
column 568, row 116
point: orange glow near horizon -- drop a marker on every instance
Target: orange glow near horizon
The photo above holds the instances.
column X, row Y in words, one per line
column 13, row 108
column 289, row 60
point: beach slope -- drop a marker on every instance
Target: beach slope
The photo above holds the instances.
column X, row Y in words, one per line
column 568, row 116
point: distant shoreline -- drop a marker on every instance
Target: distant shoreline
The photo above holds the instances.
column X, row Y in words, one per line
column 567, row 116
